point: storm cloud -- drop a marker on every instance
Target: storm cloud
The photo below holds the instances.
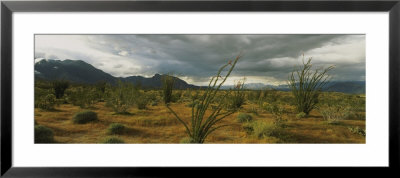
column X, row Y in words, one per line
column 267, row 59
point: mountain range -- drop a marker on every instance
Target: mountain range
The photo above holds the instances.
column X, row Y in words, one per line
column 79, row 71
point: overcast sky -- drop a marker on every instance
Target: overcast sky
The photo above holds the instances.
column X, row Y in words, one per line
column 267, row 59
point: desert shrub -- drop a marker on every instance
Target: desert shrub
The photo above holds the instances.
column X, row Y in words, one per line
column 113, row 140
column 236, row 100
column 167, row 86
column 334, row 113
column 47, row 102
column 306, row 85
column 357, row 130
column 41, row 93
column 278, row 112
column 263, row 129
column 84, row 117
column 200, row 126
column 244, row 117
column 142, row 101
column 121, row 97
column 116, row 128
column 301, row 115
column 43, row 134
column 83, row 97
column 59, row 87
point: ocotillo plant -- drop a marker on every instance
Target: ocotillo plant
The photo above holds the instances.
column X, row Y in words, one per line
column 200, row 125
column 306, row 85
column 167, row 85
column 237, row 99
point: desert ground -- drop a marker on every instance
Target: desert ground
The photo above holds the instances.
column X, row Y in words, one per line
column 156, row 124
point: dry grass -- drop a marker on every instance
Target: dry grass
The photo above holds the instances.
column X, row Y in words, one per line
column 157, row 125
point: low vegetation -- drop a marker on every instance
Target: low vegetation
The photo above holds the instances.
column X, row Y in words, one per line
column 113, row 140
column 244, row 117
column 43, row 134
column 84, row 117
column 116, row 128
column 121, row 97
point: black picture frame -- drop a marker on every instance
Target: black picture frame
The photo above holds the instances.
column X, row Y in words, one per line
column 8, row 7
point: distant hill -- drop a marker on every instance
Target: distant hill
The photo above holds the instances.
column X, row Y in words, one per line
column 156, row 82
column 73, row 70
column 81, row 72
column 354, row 87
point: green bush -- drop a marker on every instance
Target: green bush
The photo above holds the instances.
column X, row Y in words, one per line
column 244, row 117
column 84, row 117
column 301, row 115
column 278, row 112
column 142, row 101
column 47, row 102
column 59, row 87
column 113, row 140
column 333, row 113
column 122, row 97
column 263, row 129
column 357, row 130
column 116, row 128
column 43, row 134
column 84, row 97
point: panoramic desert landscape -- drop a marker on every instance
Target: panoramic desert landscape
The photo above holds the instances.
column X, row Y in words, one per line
column 311, row 93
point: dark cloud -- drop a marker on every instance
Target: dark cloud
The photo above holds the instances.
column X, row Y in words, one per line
column 197, row 57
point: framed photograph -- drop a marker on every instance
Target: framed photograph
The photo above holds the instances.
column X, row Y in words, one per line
column 141, row 88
